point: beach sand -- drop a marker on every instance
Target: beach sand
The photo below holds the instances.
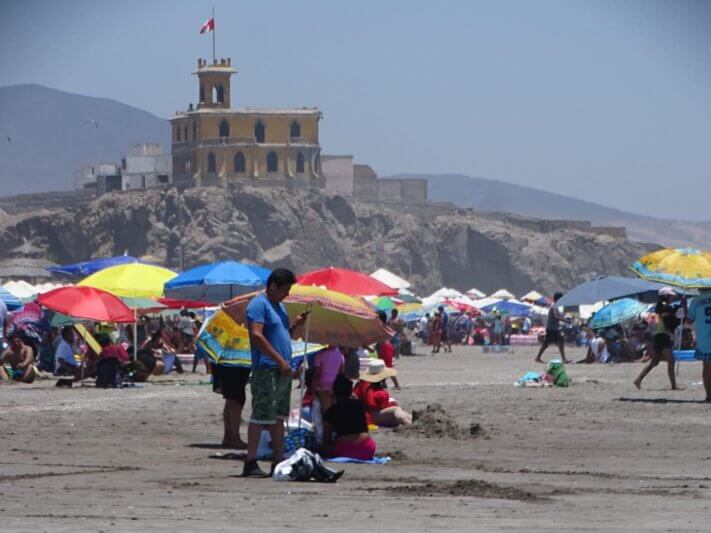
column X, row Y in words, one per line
column 598, row 455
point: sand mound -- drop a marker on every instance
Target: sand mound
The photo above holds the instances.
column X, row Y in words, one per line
column 434, row 421
column 467, row 487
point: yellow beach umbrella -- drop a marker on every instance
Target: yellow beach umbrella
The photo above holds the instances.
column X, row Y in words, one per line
column 132, row 280
column 684, row 267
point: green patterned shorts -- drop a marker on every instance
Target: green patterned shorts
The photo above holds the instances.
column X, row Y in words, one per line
column 271, row 396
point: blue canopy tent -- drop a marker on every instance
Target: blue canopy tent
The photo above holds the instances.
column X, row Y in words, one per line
column 87, row 268
column 508, row 307
column 217, row 282
column 11, row 302
column 607, row 288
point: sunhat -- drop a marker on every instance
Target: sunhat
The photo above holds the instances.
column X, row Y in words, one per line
column 666, row 291
column 377, row 371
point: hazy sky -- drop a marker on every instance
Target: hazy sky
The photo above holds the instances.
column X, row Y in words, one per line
column 609, row 101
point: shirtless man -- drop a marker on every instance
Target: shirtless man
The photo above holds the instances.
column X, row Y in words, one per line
column 17, row 362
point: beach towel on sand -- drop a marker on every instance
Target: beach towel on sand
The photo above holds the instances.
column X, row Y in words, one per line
column 373, row 461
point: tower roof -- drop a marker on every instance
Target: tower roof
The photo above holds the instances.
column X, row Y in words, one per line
column 218, row 66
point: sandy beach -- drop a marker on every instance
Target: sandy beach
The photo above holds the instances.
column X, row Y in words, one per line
column 598, row 455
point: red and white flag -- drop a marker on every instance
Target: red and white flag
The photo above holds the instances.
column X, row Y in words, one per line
column 208, row 26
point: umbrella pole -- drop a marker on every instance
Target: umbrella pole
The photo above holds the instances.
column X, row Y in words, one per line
column 304, row 364
column 135, row 334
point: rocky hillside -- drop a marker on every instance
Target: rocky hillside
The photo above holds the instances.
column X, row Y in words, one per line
column 305, row 230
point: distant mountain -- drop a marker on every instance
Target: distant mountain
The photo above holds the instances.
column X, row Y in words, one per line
column 492, row 195
column 52, row 133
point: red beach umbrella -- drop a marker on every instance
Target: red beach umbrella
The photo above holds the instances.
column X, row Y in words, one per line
column 87, row 303
column 346, row 281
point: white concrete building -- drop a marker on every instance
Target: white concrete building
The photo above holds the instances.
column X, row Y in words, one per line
column 145, row 165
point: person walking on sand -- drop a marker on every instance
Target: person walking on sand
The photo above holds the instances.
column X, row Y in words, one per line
column 700, row 314
column 553, row 335
column 270, row 339
column 662, row 341
column 445, row 330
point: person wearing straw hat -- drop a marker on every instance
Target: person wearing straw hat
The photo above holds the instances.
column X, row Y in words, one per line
column 700, row 314
column 381, row 410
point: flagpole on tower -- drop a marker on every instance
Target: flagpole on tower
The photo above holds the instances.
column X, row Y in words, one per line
column 213, row 34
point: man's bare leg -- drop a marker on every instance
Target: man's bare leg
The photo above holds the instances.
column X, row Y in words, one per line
column 707, row 379
column 540, row 352
column 561, row 349
column 231, row 418
column 4, row 375
column 254, row 431
column 654, row 361
column 276, row 431
column 669, row 356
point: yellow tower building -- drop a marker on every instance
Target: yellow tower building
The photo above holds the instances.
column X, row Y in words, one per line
column 215, row 144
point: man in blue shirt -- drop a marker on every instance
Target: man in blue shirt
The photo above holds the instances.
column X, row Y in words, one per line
column 700, row 314
column 445, row 330
column 270, row 339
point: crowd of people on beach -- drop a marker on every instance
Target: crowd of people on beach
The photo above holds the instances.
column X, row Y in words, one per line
column 345, row 393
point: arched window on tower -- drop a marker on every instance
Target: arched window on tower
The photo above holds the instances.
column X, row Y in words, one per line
column 185, row 133
column 194, row 130
column 220, row 94
column 202, row 93
column 295, row 130
column 214, row 94
column 211, row 164
column 240, row 163
column 317, row 164
column 224, row 130
column 177, row 133
column 300, row 163
column 272, row 162
column 259, row 132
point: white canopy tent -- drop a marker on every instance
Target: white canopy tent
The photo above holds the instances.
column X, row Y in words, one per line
column 532, row 296
column 20, row 289
column 439, row 296
column 475, row 293
column 503, row 294
column 391, row 280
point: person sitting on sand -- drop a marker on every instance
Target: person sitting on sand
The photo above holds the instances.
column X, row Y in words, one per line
column 345, row 428
column 17, row 362
column 380, row 409
column 596, row 351
column 328, row 364
column 163, row 353
column 66, row 363
column 113, row 359
column 663, row 341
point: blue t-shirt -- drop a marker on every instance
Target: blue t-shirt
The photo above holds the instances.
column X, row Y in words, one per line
column 445, row 322
column 276, row 330
column 700, row 313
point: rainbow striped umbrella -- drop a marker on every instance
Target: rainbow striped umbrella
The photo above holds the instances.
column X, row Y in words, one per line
column 334, row 318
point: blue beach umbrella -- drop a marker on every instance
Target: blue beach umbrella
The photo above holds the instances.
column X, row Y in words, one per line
column 509, row 308
column 87, row 268
column 617, row 312
column 217, row 282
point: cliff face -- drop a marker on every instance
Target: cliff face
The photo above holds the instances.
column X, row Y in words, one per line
column 304, row 230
